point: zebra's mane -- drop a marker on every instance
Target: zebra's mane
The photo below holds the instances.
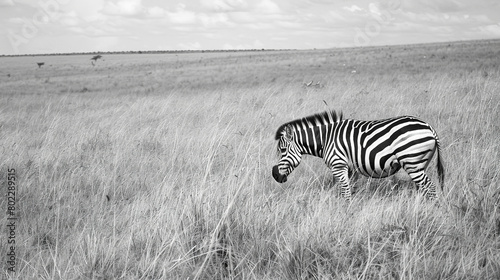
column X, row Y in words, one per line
column 327, row 117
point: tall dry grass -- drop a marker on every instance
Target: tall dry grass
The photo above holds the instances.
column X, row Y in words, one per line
column 159, row 166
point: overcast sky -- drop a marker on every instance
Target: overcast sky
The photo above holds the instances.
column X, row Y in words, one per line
column 61, row 26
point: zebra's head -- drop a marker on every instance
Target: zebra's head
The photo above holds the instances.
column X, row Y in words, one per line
column 289, row 154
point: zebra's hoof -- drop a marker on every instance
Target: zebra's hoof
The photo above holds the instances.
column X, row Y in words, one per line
column 277, row 176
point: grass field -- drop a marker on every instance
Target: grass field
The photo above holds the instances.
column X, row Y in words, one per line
column 158, row 166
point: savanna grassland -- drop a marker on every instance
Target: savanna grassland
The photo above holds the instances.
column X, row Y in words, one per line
column 158, row 166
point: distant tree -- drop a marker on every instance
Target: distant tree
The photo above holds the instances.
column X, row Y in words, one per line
column 96, row 57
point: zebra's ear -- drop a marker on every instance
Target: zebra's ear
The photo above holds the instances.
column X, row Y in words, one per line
column 288, row 133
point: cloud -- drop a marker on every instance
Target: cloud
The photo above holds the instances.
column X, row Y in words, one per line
column 70, row 19
column 268, row 7
column 374, row 9
column 242, row 17
column 16, row 20
column 256, row 44
column 88, row 10
column 182, row 16
column 156, row 12
column 210, row 20
column 491, row 31
column 353, row 8
column 6, row 3
column 123, row 8
column 89, row 31
column 224, row 5
column 442, row 6
column 435, row 19
column 190, row 46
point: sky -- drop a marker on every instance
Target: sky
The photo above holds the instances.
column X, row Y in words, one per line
column 65, row 26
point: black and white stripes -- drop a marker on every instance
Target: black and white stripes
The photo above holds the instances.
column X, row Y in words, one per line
column 373, row 148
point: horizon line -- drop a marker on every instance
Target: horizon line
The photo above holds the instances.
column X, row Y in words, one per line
column 180, row 51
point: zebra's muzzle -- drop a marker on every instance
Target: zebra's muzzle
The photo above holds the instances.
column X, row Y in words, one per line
column 277, row 176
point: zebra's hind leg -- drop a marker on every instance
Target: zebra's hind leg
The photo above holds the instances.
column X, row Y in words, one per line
column 342, row 176
column 422, row 181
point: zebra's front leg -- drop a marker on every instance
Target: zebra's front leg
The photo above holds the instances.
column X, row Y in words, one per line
column 342, row 176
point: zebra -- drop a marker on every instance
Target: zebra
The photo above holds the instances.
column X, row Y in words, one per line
column 375, row 149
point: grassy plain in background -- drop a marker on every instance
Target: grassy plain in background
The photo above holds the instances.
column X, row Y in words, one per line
column 158, row 166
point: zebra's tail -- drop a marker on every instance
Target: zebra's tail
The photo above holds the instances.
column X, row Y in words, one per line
column 440, row 167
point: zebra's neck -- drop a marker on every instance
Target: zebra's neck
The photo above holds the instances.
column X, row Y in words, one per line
column 310, row 140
